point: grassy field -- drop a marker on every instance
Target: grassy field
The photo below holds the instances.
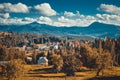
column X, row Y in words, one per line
column 37, row 72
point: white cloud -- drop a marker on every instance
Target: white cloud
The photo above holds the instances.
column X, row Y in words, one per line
column 16, row 8
column 69, row 14
column 108, row 19
column 62, row 21
column 15, row 21
column 29, row 20
column 82, row 21
column 45, row 9
column 4, row 15
column 109, row 9
column 10, row 21
column 44, row 20
column 26, row 20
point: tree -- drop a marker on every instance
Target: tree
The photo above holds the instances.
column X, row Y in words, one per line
column 34, row 56
column 89, row 56
column 103, row 60
column 57, row 61
column 113, row 53
column 71, row 64
column 14, row 69
column 2, row 52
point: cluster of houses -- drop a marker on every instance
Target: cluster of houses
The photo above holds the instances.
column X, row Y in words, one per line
column 48, row 47
column 42, row 60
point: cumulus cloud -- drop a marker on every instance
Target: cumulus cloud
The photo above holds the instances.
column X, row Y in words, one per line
column 29, row 20
column 44, row 20
column 82, row 21
column 16, row 21
column 112, row 18
column 62, row 21
column 109, row 9
column 26, row 20
column 16, row 8
column 10, row 21
column 45, row 9
column 108, row 19
column 4, row 15
column 69, row 14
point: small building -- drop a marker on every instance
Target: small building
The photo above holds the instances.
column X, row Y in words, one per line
column 43, row 61
column 42, row 47
column 29, row 60
column 56, row 46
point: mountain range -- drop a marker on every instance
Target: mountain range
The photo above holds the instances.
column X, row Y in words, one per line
column 95, row 30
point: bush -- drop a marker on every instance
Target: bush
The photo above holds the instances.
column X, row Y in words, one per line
column 14, row 69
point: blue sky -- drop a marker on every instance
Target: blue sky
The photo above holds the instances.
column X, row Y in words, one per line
column 60, row 12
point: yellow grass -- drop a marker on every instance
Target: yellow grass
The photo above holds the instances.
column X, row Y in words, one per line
column 61, row 76
column 33, row 67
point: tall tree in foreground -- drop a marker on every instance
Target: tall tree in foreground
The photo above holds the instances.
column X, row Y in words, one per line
column 57, row 61
column 113, row 53
column 104, row 59
column 71, row 64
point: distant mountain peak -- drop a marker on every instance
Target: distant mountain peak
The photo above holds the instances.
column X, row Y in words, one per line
column 95, row 24
column 35, row 22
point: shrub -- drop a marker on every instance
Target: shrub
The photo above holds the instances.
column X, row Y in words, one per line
column 14, row 69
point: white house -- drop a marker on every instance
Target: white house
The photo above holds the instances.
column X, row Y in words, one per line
column 56, row 46
column 29, row 59
column 43, row 61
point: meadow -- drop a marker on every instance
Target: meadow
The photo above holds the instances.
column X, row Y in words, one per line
column 38, row 72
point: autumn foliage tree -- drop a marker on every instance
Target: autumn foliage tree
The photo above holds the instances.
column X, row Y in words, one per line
column 71, row 64
column 104, row 59
column 14, row 69
column 57, row 62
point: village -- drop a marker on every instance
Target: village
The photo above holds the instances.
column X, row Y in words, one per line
column 44, row 49
column 50, row 54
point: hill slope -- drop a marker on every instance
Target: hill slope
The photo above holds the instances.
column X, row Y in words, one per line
column 96, row 29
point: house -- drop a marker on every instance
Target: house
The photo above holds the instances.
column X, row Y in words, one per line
column 56, row 46
column 43, row 61
column 28, row 48
column 42, row 46
column 24, row 47
column 29, row 59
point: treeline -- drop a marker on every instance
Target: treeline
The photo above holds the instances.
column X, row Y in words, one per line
column 29, row 39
